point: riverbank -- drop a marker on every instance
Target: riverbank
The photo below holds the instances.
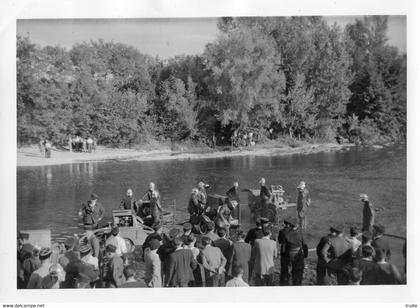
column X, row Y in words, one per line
column 31, row 156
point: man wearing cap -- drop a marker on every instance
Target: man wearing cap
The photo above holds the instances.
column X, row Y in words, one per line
column 35, row 280
column 116, row 240
column 92, row 213
column 180, row 267
column 213, row 262
column 256, row 233
column 129, row 202
column 303, row 201
column 242, row 255
column 295, row 252
column 321, row 266
column 380, row 242
column 337, row 254
column 264, row 250
column 368, row 213
column 284, row 273
column 113, row 269
column 152, row 275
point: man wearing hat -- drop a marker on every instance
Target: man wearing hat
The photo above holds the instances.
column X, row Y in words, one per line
column 92, row 213
column 180, row 266
column 321, row 266
column 113, row 276
column 256, row 233
column 116, row 240
column 284, row 273
column 35, row 280
column 337, row 254
column 380, row 242
column 368, row 218
column 303, row 201
column 295, row 252
column 152, row 275
column 265, row 195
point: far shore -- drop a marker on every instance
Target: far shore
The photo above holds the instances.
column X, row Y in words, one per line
column 31, row 156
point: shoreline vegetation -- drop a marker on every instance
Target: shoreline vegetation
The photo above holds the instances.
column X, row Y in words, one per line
column 30, row 156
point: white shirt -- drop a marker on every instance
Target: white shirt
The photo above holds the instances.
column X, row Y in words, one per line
column 118, row 242
column 236, row 282
column 89, row 259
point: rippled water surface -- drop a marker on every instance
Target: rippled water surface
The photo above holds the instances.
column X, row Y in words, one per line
column 50, row 196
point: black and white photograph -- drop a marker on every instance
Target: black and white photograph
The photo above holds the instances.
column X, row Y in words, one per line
column 258, row 151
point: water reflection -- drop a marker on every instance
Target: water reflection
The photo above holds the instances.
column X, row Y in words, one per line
column 334, row 179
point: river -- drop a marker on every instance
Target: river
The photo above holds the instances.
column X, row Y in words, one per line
column 50, row 196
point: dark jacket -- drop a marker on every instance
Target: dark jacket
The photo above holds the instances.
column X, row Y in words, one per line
column 370, row 271
column 242, row 256
column 233, row 194
column 92, row 216
column 303, row 200
column 129, row 203
column 265, row 194
column 253, row 234
column 368, row 216
column 114, row 276
column 294, row 243
column 180, row 268
column 382, row 243
column 226, row 247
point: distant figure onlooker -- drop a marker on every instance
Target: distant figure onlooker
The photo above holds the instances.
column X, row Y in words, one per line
column 48, row 147
column 368, row 213
column 89, row 142
column 241, row 255
column 302, row 204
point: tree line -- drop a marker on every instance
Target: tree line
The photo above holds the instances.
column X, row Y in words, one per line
column 295, row 76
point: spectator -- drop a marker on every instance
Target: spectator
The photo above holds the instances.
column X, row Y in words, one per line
column 370, row 270
column 116, row 240
column 388, row 273
column 265, row 250
column 113, row 271
column 237, row 281
column 214, row 263
column 152, row 276
column 380, row 242
column 226, row 246
column 130, row 280
column 181, row 266
column 241, row 255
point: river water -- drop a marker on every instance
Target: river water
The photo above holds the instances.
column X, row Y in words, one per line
column 50, row 196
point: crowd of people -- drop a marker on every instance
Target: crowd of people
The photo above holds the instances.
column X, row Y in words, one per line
column 80, row 144
column 222, row 256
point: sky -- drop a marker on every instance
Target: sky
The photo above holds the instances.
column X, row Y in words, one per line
column 157, row 37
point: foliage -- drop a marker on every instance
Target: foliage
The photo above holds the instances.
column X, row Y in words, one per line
column 298, row 76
